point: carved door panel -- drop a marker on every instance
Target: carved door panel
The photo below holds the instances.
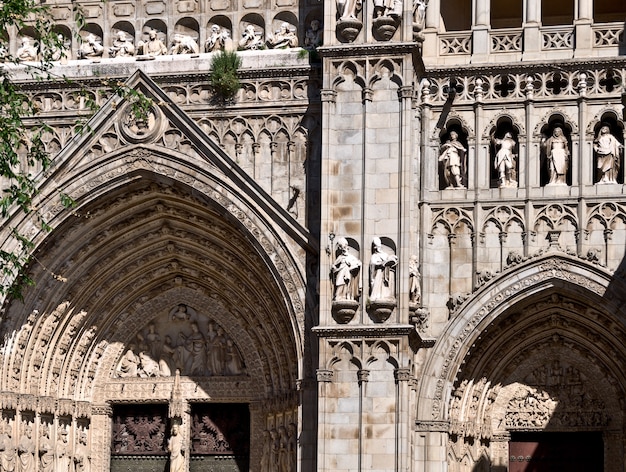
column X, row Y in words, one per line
column 139, row 438
column 220, row 437
column 552, row 452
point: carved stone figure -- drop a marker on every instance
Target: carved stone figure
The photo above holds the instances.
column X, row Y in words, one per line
column 7, row 449
column 292, row 446
column 82, row 455
column 122, row 46
column 60, row 50
column 129, row 363
column 391, row 8
column 504, row 161
column 415, row 293
column 232, row 362
column 153, row 340
column 90, row 47
column 345, row 273
column 63, row 452
column 27, row 51
column 46, row 451
column 176, row 449
column 314, row 35
column 184, row 44
column 419, row 18
column 382, row 271
column 274, row 450
column 153, row 46
column 348, row 9
column 283, row 38
column 453, row 156
column 193, row 350
column 26, row 451
column 251, row 39
column 558, row 156
column 266, row 454
column 215, row 42
column 608, row 150
column 283, row 450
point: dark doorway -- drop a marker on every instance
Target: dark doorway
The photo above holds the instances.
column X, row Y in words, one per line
column 556, row 452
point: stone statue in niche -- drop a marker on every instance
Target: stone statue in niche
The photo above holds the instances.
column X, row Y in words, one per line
column 184, row 44
column 251, row 38
column 122, row 46
column 392, row 8
column 382, row 272
column 7, row 449
column 154, row 46
column 82, row 454
column 608, row 150
column 387, row 15
column 557, row 156
column 26, row 451
column 504, row 161
column 218, row 40
column 91, row 47
column 186, row 342
column 27, row 50
column 46, row 450
column 419, row 20
column 454, row 160
column 314, row 35
column 61, row 50
column 176, row 449
column 284, row 37
column 345, row 273
column 415, row 292
column 62, row 451
column 348, row 23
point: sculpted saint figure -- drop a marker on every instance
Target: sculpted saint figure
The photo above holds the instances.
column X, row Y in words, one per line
column 27, row 51
column 608, row 150
column 557, row 152
column 90, row 47
column 82, row 455
column 313, row 36
column 505, row 160
column 184, row 44
column 283, row 38
column 62, row 451
column 250, row 39
column 7, row 449
column 391, row 8
column 215, row 41
column 382, row 271
column 453, row 157
column 153, row 47
column 46, row 451
column 194, row 347
column 415, row 293
column 345, row 273
column 122, row 46
column 26, row 451
column 176, row 449
column 348, row 9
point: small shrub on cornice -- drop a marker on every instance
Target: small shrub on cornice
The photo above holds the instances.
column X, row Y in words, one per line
column 224, row 78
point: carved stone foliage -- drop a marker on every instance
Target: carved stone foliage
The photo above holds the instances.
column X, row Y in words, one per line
column 139, row 429
column 185, row 341
column 494, row 85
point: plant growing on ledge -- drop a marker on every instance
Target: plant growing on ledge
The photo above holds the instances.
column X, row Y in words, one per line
column 224, row 79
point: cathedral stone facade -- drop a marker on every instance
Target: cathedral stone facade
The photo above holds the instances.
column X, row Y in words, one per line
column 399, row 247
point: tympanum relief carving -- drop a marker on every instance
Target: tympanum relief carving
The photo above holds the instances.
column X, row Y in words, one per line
column 184, row 341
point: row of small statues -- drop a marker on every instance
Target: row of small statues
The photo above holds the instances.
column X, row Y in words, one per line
column 608, row 150
column 219, row 39
column 280, row 449
column 53, row 456
column 195, row 353
column 345, row 274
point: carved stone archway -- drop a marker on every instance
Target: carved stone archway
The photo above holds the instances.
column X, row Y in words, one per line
column 540, row 348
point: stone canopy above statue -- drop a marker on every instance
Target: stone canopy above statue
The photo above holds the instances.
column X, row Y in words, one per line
column 184, row 341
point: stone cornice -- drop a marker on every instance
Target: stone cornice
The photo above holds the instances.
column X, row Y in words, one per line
column 364, row 331
column 524, row 67
column 363, row 50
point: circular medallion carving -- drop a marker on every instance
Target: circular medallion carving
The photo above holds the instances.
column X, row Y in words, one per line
column 140, row 126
